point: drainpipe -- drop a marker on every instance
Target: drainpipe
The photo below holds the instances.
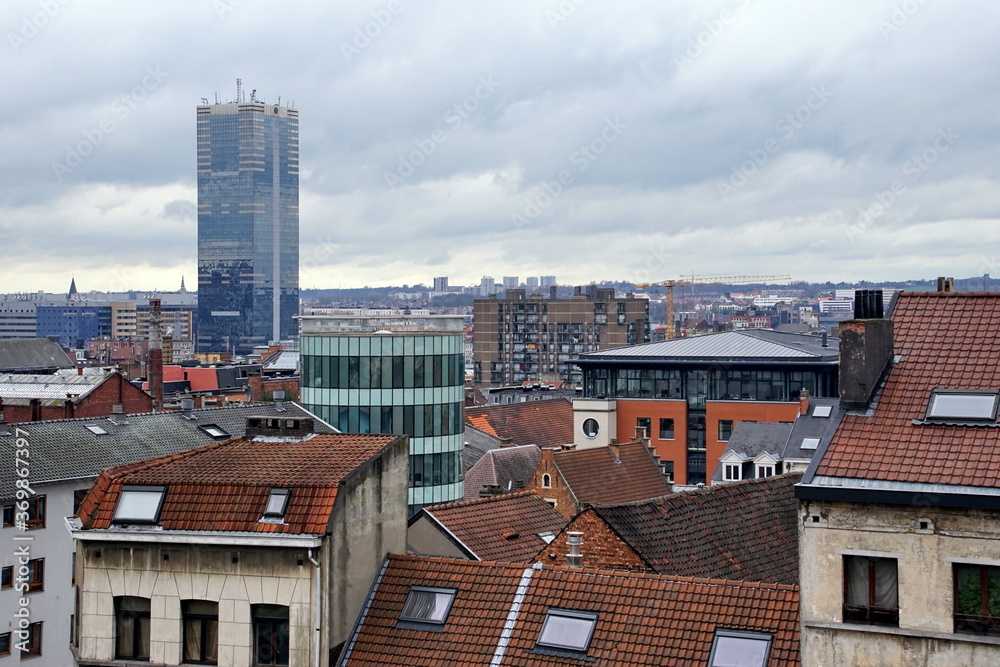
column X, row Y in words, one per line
column 317, row 610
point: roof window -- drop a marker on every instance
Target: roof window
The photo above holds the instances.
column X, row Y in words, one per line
column 139, row 504
column 743, row 648
column 427, row 608
column 277, row 502
column 809, row 443
column 822, row 410
column 567, row 629
column 215, row 431
column 962, row 405
column 547, row 536
column 95, row 429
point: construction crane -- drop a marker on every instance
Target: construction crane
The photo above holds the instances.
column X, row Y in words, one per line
column 714, row 280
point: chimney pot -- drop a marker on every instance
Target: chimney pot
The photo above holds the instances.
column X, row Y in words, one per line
column 804, row 402
column 574, row 539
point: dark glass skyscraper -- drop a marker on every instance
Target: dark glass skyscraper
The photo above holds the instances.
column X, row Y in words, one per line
column 248, row 225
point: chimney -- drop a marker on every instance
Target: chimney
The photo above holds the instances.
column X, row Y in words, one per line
column 187, row 405
column 155, row 376
column 279, row 398
column 286, row 427
column 575, row 540
column 616, row 451
column 824, row 338
column 865, row 351
column 804, row 402
column 945, row 284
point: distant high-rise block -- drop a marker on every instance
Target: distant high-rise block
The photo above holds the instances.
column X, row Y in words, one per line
column 248, row 225
column 441, row 284
column 532, row 282
column 548, row 281
column 510, row 281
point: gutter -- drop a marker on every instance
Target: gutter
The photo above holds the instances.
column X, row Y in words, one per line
column 151, row 535
column 317, row 609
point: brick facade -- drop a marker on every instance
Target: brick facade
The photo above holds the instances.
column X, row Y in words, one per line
column 558, row 490
column 99, row 403
column 602, row 548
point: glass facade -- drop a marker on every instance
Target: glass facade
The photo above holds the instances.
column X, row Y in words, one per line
column 248, row 225
column 74, row 325
column 716, row 383
column 410, row 384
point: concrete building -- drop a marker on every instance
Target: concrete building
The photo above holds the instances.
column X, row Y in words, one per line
column 17, row 318
column 253, row 551
column 547, row 281
column 520, row 338
column 402, row 375
column 248, row 224
column 441, row 284
column 510, row 282
column 899, row 526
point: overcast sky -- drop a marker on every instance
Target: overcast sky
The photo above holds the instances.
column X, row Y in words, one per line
column 591, row 140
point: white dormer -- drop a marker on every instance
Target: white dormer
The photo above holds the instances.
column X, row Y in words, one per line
column 765, row 465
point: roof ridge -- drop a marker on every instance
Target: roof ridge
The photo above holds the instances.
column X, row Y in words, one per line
column 702, row 491
column 149, row 464
column 481, row 501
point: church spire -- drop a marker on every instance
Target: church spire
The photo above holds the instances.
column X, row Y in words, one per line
column 183, row 289
column 72, row 288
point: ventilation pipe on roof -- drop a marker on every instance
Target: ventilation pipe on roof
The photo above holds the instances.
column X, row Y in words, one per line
column 187, row 404
column 575, row 540
column 279, row 398
column 317, row 610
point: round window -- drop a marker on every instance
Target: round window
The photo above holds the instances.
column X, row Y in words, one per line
column 591, row 428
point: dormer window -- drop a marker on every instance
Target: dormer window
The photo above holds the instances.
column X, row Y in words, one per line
column 139, row 504
column 957, row 405
column 739, row 647
column 567, row 629
column 427, row 608
column 277, row 502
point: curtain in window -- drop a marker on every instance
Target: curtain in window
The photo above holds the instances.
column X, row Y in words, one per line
column 857, row 581
column 886, row 591
column 192, row 640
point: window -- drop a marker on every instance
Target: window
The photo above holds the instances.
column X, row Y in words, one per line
column 567, row 629
column 733, row 472
column 215, row 431
column 765, row 471
column 546, row 481
column 956, row 405
column 7, row 579
column 25, row 514
column 139, row 504
column 277, row 501
column 644, row 423
column 95, row 429
column 270, row 634
column 428, row 605
column 739, row 648
column 977, row 599
column 33, row 644
column 5, row 644
column 810, row 443
column 201, row 631
column 822, row 411
column 666, row 429
column 591, row 428
column 725, row 429
column 36, row 575
column 547, row 536
column 131, row 627
column 870, row 590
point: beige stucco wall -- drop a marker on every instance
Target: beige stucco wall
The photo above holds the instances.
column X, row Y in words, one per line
column 168, row 575
column 427, row 538
column 925, row 635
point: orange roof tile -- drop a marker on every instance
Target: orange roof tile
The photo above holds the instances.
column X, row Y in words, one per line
column 597, row 477
column 544, row 423
column 501, row 528
column 948, row 341
column 642, row 619
column 224, row 486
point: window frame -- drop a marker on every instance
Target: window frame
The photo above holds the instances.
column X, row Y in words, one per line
column 5, row 643
column 727, row 424
column 870, row 614
column 34, row 641
column 140, row 488
column 256, row 618
column 578, row 614
column 670, row 430
column 732, row 633
column 35, row 505
column 203, row 620
column 596, row 427
column 763, row 467
column 992, row 418
column 420, row 623
column 646, row 424
column 546, row 481
column 726, row 468
column 36, row 576
column 136, row 616
column 274, row 493
column 982, row 624
column 7, row 577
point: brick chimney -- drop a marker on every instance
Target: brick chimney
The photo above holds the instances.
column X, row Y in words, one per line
column 155, row 375
column 865, row 350
column 804, row 402
column 945, row 284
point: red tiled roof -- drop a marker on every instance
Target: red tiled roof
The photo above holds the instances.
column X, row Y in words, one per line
column 224, row 486
column 502, row 528
column 507, row 466
column 545, row 423
column 642, row 619
column 746, row 531
column 947, row 341
column 598, row 478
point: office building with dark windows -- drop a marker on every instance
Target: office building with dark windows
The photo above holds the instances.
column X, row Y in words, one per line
column 248, row 224
column 402, row 375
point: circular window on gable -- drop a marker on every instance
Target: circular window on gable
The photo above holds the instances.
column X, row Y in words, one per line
column 591, row 428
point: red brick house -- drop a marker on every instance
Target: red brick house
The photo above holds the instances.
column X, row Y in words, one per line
column 27, row 398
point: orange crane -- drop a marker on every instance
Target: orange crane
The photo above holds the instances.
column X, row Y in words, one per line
column 714, row 280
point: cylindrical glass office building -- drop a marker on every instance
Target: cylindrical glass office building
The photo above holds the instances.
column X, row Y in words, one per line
column 393, row 375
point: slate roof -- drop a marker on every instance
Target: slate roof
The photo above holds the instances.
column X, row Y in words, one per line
column 642, row 619
column 225, row 486
column 753, row 438
column 49, row 388
column 65, row 449
column 597, row 477
column 742, row 345
column 547, row 423
column 744, row 531
column 943, row 340
column 505, row 467
column 501, row 528
column 812, row 426
column 31, row 355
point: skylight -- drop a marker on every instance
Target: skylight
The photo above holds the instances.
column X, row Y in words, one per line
column 139, row 504
column 822, row 410
column 950, row 404
column 277, row 501
column 215, row 431
column 428, row 605
column 810, row 443
column 547, row 536
column 95, row 429
column 567, row 629
column 739, row 648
